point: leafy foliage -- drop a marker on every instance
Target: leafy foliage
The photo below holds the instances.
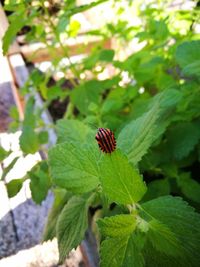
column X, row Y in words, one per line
column 162, row 244
column 116, row 226
column 122, row 251
column 141, row 131
column 149, row 97
column 40, row 181
column 3, row 153
column 61, row 197
column 72, row 131
column 9, row 167
column 189, row 187
column 14, row 27
column 28, row 139
column 188, row 57
column 74, row 166
column 171, row 240
column 120, row 181
column 71, row 225
column 14, row 186
column 157, row 188
column 182, row 138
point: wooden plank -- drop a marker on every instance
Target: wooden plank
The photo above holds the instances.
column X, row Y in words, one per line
column 8, row 88
column 39, row 52
column 19, row 70
column 8, row 96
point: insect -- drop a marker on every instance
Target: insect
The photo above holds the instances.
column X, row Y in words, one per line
column 106, row 140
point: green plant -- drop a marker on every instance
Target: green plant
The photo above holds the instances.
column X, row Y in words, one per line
column 146, row 194
column 152, row 232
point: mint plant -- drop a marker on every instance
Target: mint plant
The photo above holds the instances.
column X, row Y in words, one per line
column 156, row 232
column 146, row 193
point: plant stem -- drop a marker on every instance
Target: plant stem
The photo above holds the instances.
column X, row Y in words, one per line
column 65, row 50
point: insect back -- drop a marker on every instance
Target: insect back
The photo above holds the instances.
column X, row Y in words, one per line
column 106, row 140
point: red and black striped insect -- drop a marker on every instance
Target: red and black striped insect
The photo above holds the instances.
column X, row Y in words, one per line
column 106, row 140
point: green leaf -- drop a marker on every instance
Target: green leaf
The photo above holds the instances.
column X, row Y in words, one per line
column 74, row 166
column 3, row 153
column 164, row 81
column 11, row 5
column 189, row 187
column 192, row 69
column 106, row 55
column 182, row 138
column 163, row 239
column 29, row 117
column 14, row 186
column 73, row 131
column 62, row 24
column 171, row 239
column 158, row 30
column 90, row 92
column 83, row 8
column 61, row 196
column 12, row 30
column 146, row 71
column 85, row 94
column 74, row 28
column 137, row 136
column 9, row 167
column 123, row 251
column 188, row 53
column 13, row 126
column 188, row 57
column 71, row 226
column 29, row 140
column 156, row 189
column 175, row 239
column 37, row 78
column 43, row 137
column 167, row 99
column 117, row 226
column 91, row 60
column 14, row 113
column 114, row 101
column 55, row 92
column 40, row 181
column 120, row 181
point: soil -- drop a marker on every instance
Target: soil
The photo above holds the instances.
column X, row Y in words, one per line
column 58, row 107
